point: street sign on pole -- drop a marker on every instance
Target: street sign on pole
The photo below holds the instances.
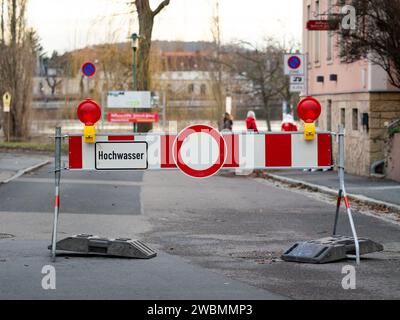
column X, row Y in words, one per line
column 7, row 102
column 89, row 69
column 137, row 117
column 297, row 84
column 129, row 100
column 294, row 64
column 7, row 109
column 323, row 25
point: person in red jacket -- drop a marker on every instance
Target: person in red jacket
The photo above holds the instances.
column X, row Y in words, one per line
column 288, row 124
column 251, row 122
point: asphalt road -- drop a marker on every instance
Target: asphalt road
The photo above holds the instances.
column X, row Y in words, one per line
column 219, row 238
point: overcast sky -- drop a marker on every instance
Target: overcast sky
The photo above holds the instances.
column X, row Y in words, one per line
column 65, row 25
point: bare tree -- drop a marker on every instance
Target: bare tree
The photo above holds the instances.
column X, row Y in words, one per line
column 54, row 72
column 261, row 68
column 2, row 22
column 376, row 36
column 17, row 59
column 216, row 83
column 146, row 22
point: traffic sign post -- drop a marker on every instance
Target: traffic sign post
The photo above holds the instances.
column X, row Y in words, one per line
column 200, row 152
column 323, row 25
column 89, row 69
column 137, row 117
column 294, row 64
column 7, row 109
column 297, row 83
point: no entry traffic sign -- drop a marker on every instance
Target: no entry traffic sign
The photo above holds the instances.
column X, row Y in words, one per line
column 89, row 69
column 200, row 151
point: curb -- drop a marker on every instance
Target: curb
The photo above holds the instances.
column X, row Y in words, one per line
column 332, row 192
column 25, row 171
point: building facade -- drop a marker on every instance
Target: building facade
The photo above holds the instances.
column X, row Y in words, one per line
column 357, row 95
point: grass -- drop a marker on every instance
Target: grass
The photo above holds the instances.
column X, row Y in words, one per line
column 30, row 146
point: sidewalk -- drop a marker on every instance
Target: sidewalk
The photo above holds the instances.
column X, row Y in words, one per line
column 14, row 165
column 379, row 190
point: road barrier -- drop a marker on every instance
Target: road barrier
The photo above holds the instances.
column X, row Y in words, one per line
column 201, row 152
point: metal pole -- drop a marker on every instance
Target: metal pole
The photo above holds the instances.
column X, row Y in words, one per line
column 8, row 127
column 102, row 110
column 339, row 202
column 306, row 73
column 57, row 171
column 343, row 188
column 134, row 80
column 164, row 110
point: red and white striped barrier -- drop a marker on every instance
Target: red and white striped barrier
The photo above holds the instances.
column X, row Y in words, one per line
column 202, row 152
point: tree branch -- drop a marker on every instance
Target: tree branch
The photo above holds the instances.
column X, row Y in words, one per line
column 161, row 6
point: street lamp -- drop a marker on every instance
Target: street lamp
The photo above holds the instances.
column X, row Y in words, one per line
column 135, row 44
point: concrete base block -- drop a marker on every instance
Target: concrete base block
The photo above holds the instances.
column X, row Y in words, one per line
column 124, row 248
column 328, row 250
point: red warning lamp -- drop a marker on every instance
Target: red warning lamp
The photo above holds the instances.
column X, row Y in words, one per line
column 309, row 109
column 89, row 113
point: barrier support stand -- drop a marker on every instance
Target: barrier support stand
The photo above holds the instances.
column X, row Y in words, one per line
column 343, row 194
column 57, row 175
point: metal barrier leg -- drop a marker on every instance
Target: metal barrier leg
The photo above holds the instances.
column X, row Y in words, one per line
column 339, row 202
column 57, row 172
column 343, row 189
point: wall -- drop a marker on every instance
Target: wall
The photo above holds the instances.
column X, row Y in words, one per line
column 393, row 166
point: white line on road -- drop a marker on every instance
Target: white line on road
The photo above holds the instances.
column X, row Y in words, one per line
column 80, row 181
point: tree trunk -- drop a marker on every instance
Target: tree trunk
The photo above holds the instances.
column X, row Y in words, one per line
column 267, row 112
column 16, row 75
column 145, row 31
column 146, row 22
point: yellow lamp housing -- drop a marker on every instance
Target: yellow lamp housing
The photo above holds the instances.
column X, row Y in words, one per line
column 89, row 134
column 310, row 131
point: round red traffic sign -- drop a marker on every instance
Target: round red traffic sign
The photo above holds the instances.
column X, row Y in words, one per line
column 89, row 69
column 89, row 112
column 200, row 151
column 294, row 62
column 309, row 109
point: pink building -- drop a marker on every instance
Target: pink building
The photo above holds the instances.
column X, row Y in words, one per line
column 356, row 95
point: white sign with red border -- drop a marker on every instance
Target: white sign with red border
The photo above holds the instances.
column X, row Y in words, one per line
column 200, row 151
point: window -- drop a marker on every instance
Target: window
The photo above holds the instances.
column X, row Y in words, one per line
column 329, row 116
column 191, row 88
column 317, row 37
column 355, row 119
column 203, row 90
column 343, row 117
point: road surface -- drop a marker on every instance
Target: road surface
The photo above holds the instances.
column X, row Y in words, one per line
column 219, row 238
